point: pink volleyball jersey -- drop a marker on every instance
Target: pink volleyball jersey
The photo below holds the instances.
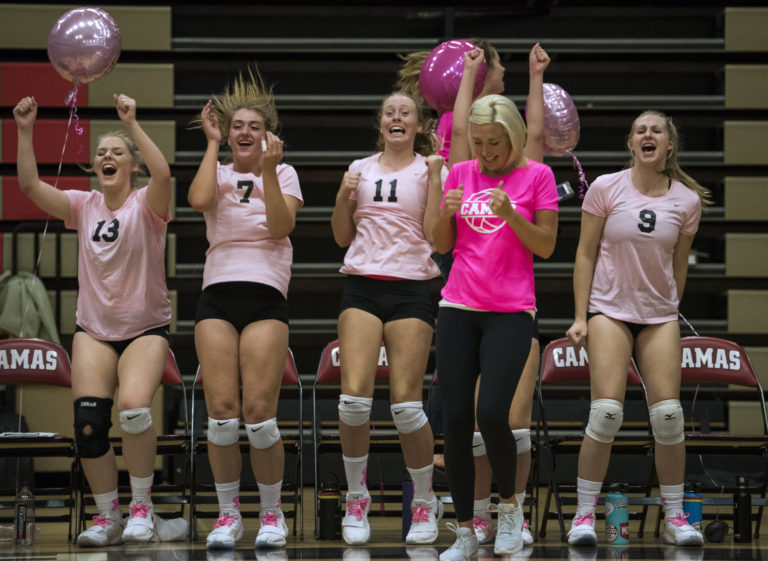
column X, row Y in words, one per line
column 121, row 265
column 389, row 222
column 443, row 134
column 633, row 279
column 240, row 245
column 492, row 269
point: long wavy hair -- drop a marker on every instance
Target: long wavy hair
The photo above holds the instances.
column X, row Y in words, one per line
column 247, row 91
column 672, row 168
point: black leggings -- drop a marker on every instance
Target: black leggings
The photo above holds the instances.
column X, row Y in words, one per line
column 496, row 344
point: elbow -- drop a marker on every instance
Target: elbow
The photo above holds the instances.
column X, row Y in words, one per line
column 546, row 252
column 200, row 204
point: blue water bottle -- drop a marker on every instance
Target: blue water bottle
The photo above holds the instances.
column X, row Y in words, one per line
column 692, row 505
column 617, row 515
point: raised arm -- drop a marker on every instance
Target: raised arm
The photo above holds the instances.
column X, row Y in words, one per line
column 583, row 271
column 341, row 221
column 44, row 195
column 538, row 60
column 159, row 186
column 460, row 149
column 202, row 191
column 435, row 165
column 281, row 209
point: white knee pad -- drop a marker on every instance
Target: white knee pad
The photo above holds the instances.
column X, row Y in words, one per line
column 522, row 439
column 136, row 421
column 263, row 435
column 223, row 432
column 605, row 417
column 667, row 422
column 478, row 445
column 354, row 410
column 408, row 416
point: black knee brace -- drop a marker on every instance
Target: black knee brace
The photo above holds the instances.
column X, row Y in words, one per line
column 94, row 413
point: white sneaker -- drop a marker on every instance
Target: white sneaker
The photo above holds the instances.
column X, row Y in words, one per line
column 105, row 531
column 223, row 555
column 509, row 529
column 356, row 554
column 354, row 527
column 678, row 531
column 226, row 532
column 140, row 526
column 483, row 525
column 273, row 531
column 582, row 530
column 464, row 548
column 527, row 536
column 424, row 518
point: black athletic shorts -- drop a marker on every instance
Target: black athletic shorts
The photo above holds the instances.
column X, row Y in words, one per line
column 120, row 346
column 389, row 300
column 241, row 303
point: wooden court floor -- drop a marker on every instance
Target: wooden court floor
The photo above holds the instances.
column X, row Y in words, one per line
column 386, row 543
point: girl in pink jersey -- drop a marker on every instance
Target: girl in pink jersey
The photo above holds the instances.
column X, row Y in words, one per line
column 380, row 216
column 241, row 325
column 637, row 228
column 498, row 210
column 119, row 339
column 522, row 403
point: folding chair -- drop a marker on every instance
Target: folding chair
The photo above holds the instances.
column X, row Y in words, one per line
column 172, row 445
column 562, row 364
column 708, row 362
column 325, row 434
column 292, row 435
column 42, row 363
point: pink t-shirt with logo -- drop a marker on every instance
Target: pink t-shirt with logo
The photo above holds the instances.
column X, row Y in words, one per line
column 389, row 222
column 121, row 265
column 492, row 268
column 241, row 247
column 633, row 279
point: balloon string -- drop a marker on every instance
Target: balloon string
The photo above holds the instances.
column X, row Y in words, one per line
column 583, row 184
column 71, row 100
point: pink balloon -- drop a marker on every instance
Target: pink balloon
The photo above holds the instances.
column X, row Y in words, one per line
column 84, row 45
column 561, row 121
column 441, row 72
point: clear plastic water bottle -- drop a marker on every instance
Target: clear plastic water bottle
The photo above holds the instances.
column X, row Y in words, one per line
column 25, row 517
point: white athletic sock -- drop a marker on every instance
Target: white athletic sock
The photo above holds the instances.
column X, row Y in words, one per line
column 422, row 483
column 141, row 489
column 672, row 497
column 269, row 495
column 229, row 496
column 356, row 470
column 108, row 504
column 482, row 506
column 587, row 492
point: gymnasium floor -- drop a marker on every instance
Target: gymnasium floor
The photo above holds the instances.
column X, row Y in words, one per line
column 386, row 543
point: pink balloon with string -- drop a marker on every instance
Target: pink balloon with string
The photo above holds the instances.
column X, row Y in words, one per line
column 562, row 128
column 84, row 45
column 441, row 72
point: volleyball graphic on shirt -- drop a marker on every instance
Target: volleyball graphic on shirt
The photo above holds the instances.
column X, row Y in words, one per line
column 476, row 211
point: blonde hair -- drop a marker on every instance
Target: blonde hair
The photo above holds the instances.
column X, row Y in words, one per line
column 425, row 142
column 408, row 75
column 247, row 91
column 133, row 150
column 672, row 168
column 496, row 108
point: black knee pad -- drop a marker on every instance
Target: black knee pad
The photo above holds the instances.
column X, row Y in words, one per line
column 96, row 413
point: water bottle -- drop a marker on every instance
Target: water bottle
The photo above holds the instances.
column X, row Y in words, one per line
column 329, row 511
column 742, row 512
column 692, row 505
column 407, row 498
column 25, row 517
column 617, row 515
